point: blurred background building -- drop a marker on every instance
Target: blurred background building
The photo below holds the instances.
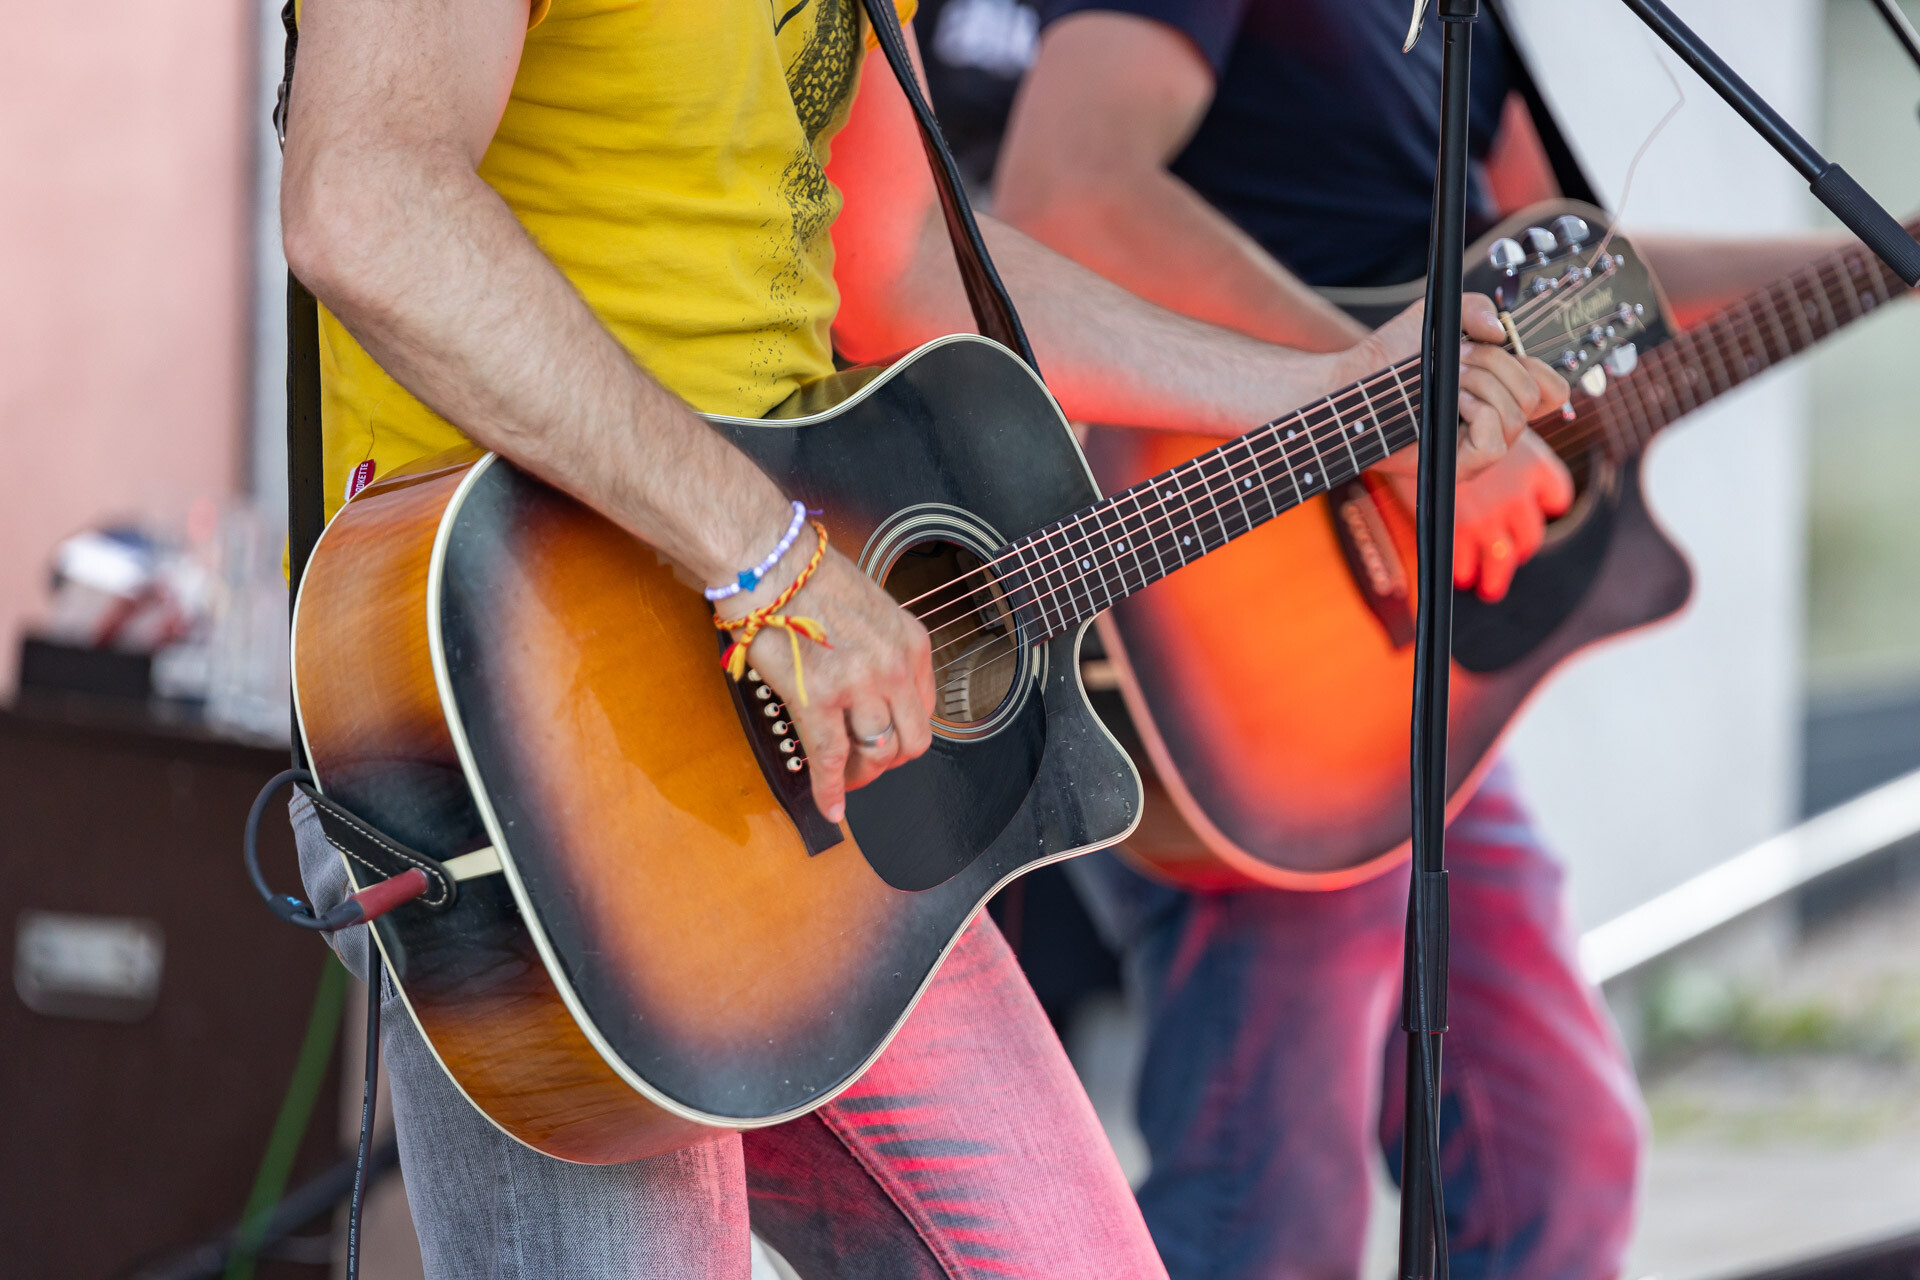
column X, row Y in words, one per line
column 142, row 382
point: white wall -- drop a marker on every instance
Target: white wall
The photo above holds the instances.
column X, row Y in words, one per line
column 1658, row 756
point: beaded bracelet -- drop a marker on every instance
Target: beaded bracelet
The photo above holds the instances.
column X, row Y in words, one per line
column 750, row 578
column 744, row 629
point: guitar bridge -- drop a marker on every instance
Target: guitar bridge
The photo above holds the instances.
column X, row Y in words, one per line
column 776, row 746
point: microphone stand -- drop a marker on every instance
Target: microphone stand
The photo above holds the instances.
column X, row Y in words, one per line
column 1832, row 185
column 1423, row 1000
column 1423, row 1243
column 1902, row 29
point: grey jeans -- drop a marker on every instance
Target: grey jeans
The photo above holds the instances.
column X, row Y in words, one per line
column 968, row 1150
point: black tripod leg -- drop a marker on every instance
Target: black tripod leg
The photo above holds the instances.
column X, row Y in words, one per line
column 1423, row 1244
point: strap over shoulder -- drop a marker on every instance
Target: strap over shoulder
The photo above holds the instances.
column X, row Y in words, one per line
column 993, row 309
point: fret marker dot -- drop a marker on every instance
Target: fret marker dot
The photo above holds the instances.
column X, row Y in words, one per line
column 1086, row 564
column 1120, row 546
column 1186, row 542
column 1309, row 477
column 1246, row 484
column 1289, row 433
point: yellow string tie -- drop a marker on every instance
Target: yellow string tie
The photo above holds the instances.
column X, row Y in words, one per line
column 734, row 660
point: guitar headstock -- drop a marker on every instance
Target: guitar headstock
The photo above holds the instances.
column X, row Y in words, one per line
column 1579, row 300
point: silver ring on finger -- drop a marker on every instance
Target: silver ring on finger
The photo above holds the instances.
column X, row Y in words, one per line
column 874, row 741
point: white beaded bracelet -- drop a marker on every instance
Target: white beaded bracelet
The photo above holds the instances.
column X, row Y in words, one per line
column 750, row 578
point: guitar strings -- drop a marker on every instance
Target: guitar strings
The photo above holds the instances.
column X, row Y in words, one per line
column 1106, row 521
column 1336, row 402
column 1739, row 346
column 1646, row 413
column 1376, row 381
column 1106, row 525
column 1278, row 449
column 1815, row 287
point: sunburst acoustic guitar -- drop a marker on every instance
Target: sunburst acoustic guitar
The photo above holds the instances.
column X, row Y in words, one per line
column 1292, row 771
column 642, row 931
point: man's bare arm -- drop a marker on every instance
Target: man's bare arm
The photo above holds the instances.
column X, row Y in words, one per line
column 1111, row 100
column 385, row 219
column 1108, row 355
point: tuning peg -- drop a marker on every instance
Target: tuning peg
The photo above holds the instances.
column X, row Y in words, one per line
column 1594, row 381
column 1571, row 229
column 1506, row 254
column 1540, row 240
column 1623, row 359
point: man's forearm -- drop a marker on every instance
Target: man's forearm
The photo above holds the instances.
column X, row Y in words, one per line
column 1111, row 356
column 1108, row 355
column 1703, row 273
column 430, row 271
column 1155, row 235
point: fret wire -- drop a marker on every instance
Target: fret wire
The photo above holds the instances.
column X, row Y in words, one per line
column 1257, row 482
column 1340, row 425
column 1041, row 580
column 1286, row 456
column 1266, row 486
column 1413, row 413
column 1373, row 416
column 1688, row 364
column 1146, row 530
column 1800, row 305
column 1120, row 544
column 1319, row 462
column 1222, row 478
column 1823, row 294
column 1234, row 486
column 1164, row 494
column 1755, row 359
column 1136, row 534
column 1088, row 563
column 1842, row 269
column 1787, row 349
column 1631, row 412
column 1068, row 586
column 1713, row 348
column 1644, row 399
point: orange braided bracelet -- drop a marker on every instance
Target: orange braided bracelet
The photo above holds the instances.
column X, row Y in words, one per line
column 734, row 660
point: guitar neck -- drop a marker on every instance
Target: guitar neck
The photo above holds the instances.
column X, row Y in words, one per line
column 1065, row 573
column 1732, row 346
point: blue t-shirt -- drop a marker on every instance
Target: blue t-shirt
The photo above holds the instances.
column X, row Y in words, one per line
column 1323, row 138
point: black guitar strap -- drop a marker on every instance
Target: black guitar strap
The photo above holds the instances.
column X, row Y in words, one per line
column 992, row 308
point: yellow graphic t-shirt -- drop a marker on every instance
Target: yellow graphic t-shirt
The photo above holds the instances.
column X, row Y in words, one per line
column 670, row 158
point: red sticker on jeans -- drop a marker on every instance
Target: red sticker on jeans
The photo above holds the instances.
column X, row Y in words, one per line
column 359, row 478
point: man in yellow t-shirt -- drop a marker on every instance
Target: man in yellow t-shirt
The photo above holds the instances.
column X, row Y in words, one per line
column 558, row 230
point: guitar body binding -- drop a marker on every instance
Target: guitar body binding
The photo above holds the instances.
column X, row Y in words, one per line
column 673, row 947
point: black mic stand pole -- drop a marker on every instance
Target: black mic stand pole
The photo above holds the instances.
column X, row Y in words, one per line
column 1902, row 29
column 1423, row 1237
column 1832, row 185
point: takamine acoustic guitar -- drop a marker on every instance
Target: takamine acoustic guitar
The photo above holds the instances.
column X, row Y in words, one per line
column 652, row 932
column 1289, row 768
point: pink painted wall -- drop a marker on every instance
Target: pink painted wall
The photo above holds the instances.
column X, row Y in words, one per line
column 124, row 258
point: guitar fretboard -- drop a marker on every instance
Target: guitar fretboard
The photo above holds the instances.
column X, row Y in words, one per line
column 1065, row 573
column 1734, row 345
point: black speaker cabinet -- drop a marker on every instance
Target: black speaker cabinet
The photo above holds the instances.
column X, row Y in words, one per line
column 157, row 1009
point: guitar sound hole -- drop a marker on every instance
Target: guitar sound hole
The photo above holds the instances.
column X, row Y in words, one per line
column 976, row 646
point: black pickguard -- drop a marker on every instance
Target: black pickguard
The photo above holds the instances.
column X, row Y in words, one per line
column 962, row 428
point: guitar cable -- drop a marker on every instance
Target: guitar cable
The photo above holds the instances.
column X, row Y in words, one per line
column 359, row 908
